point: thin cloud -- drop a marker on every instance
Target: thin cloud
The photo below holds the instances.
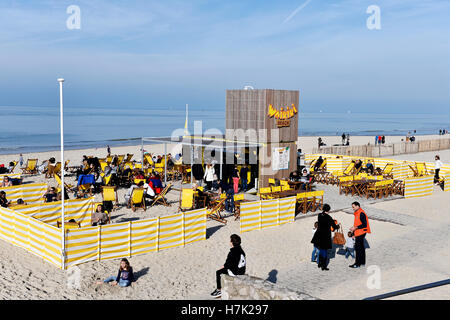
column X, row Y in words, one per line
column 297, row 11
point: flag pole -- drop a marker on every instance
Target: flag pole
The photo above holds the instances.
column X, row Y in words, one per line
column 61, row 121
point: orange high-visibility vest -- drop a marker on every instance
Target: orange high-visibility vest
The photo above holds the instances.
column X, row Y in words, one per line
column 358, row 222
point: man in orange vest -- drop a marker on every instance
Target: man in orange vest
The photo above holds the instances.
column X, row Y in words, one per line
column 360, row 229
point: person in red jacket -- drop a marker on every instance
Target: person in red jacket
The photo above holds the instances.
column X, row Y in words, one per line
column 360, row 229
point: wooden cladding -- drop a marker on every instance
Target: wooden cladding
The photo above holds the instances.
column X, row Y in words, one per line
column 249, row 109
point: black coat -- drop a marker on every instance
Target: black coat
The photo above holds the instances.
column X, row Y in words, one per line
column 322, row 237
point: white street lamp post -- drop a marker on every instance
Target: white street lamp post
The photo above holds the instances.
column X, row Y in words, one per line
column 63, row 242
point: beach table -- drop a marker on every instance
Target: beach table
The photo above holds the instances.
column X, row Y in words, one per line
column 297, row 184
column 359, row 187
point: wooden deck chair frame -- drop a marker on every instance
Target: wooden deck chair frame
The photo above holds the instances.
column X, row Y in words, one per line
column 59, row 224
column 139, row 204
column 214, row 213
column 31, row 166
column 161, row 197
column 421, row 168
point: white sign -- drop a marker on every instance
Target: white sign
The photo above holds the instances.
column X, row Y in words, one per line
column 280, row 158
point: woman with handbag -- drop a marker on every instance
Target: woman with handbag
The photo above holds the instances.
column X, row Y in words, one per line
column 322, row 237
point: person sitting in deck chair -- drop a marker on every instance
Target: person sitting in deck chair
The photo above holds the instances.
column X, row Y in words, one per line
column 318, row 163
column 6, row 182
column 3, row 201
column 130, row 192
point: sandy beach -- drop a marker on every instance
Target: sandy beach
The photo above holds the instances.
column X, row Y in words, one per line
column 408, row 244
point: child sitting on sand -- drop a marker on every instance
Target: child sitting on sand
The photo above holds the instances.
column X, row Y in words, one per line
column 350, row 245
column 125, row 276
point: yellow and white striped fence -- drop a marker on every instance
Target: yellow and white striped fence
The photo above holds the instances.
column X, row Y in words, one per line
column 419, row 186
column 78, row 209
column 262, row 214
column 134, row 237
column 29, row 193
column 31, row 234
column 446, row 175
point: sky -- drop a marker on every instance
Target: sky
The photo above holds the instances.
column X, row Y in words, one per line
column 164, row 54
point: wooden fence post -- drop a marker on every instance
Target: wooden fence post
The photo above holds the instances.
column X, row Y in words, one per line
column 129, row 239
column 99, row 234
column 157, row 234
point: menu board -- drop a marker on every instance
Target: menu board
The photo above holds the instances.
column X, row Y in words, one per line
column 280, row 158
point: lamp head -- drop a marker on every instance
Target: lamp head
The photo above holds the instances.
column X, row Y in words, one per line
column 60, row 80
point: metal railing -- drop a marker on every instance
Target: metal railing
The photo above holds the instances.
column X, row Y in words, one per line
column 410, row 290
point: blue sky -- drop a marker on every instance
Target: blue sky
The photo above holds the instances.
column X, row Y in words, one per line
column 167, row 53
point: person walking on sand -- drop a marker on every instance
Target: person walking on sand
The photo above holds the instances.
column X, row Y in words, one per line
column 234, row 265
column 437, row 168
column 360, row 229
column 108, row 150
column 322, row 237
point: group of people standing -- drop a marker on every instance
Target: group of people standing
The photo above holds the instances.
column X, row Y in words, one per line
column 443, row 132
column 322, row 239
column 380, row 140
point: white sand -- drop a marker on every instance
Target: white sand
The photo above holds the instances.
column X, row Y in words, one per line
column 408, row 255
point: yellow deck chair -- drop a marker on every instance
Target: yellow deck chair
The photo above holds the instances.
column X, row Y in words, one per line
column 421, row 168
column 148, row 159
column 284, row 183
column 276, row 189
column 187, row 199
column 120, row 158
column 68, row 225
column 375, row 190
column 136, row 181
column 387, row 171
column 58, row 181
column 128, row 158
column 138, row 165
column 161, row 197
column 159, row 167
column 30, row 168
column 103, row 165
column 137, row 199
column 238, row 197
column 264, row 193
column 349, row 170
column 271, row 182
column 286, row 188
column 109, row 159
column 110, row 194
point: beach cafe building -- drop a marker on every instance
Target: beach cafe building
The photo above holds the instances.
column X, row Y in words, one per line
column 261, row 132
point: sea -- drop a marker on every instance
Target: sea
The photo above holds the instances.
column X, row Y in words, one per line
column 33, row 129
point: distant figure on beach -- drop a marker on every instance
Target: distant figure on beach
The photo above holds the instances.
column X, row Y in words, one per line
column 343, row 138
column 360, row 229
column 376, row 140
column 437, row 169
column 124, row 277
column 108, row 150
column 322, row 237
column 440, row 132
column 209, row 176
column 236, row 179
column 348, row 140
column 408, row 136
column 369, row 167
column 21, row 160
column 383, row 139
column 243, row 174
column 234, row 265
column 320, row 142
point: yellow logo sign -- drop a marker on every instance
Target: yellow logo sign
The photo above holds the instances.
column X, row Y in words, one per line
column 283, row 113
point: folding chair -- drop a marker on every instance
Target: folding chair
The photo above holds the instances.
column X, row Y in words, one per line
column 110, row 194
column 265, row 193
column 30, row 167
column 186, row 199
column 68, row 225
column 272, row 182
column 376, row 189
column 160, row 198
column 214, row 212
column 84, row 189
column 387, row 171
column 137, row 199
